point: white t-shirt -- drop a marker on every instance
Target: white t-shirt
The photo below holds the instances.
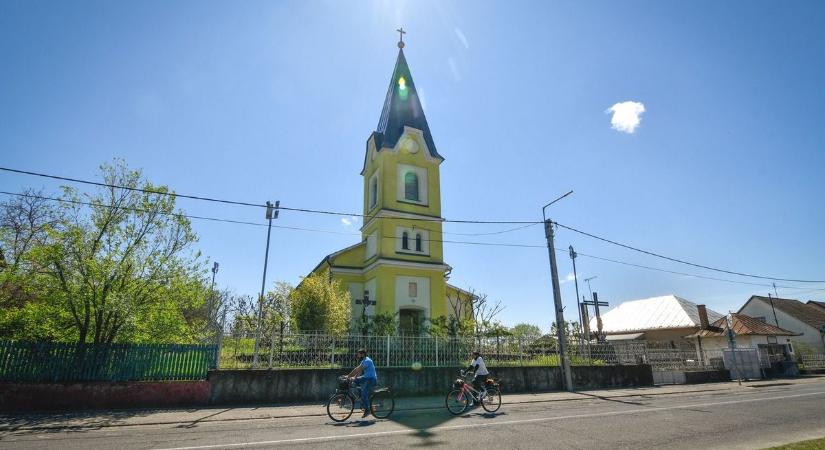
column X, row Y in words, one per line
column 482, row 368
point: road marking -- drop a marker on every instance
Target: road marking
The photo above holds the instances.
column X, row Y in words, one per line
column 493, row 424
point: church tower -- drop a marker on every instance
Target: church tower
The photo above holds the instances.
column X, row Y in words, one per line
column 398, row 267
column 402, row 207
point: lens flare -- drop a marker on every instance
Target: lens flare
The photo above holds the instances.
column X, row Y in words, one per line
column 402, row 83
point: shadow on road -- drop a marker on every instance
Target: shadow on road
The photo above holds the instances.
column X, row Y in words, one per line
column 21, row 424
column 610, row 399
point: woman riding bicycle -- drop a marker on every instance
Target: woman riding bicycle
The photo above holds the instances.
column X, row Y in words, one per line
column 479, row 369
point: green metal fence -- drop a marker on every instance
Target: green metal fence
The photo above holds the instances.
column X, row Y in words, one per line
column 48, row 361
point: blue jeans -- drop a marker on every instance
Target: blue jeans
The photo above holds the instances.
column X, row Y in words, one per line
column 366, row 384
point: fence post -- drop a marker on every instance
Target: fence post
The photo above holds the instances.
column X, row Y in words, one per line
column 332, row 353
column 436, row 351
column 272, row 346
column 388, row 350
column 520, row 351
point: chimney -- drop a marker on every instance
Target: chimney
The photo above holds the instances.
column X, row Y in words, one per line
column 703, row 317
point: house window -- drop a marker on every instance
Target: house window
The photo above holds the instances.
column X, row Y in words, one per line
column 418, row 242
column 411, row 186
column 405, row 241
column 373, row 191
column 413, row 289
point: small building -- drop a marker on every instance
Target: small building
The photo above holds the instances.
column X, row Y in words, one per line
column 773, row 342
column 664, row 319
column 805, row 319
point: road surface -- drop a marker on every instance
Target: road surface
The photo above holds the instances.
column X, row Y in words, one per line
column 748, row 417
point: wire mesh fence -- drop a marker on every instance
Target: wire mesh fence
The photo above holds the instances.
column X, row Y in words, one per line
column 291, row 350
column 813, row 360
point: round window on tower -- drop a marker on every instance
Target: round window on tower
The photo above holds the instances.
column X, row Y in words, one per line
column 409, row 145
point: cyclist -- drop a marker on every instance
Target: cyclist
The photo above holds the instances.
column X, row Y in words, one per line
column 479, row 369
column 365, row 376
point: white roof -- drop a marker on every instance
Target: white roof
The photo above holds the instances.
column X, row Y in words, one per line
column 666, row 312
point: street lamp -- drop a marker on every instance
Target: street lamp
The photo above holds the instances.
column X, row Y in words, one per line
column 271, row 213
column 554, row 276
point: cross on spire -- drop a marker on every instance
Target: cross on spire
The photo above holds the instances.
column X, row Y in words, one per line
column 401, row 34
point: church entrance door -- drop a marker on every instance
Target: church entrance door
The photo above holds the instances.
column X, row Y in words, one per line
column 410, row 322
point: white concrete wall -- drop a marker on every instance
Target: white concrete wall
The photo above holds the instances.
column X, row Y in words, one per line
column 810, row 336
column 403, row 299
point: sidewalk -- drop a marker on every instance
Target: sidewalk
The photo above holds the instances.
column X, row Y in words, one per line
column 194, row 416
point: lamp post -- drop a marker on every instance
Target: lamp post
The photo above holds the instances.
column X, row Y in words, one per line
column 271, row 213
column 554, row 276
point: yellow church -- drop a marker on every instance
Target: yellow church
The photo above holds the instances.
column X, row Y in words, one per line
column 398, row 267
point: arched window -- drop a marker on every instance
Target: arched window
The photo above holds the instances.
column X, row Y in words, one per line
column 418, row 242
column 411, row 186
column 373, row 191
column 405, row 241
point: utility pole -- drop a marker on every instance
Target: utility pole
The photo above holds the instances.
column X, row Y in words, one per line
column 271, row 213
column 775, row 319
column 573, row 256
column 554, row 275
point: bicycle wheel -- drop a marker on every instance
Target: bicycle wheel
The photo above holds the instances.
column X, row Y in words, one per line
column 457, row 402
column 492, row 400
column 339, row 407
column 382, row 404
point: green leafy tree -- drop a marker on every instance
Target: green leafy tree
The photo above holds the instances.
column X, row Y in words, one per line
column 380, row 324
column 526, row 331
column 123, row 269
column 320, row 303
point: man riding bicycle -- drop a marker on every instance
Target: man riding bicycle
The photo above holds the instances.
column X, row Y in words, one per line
column 479, row 369
column 365, row 376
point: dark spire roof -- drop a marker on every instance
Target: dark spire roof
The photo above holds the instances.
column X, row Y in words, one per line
column 402, row 107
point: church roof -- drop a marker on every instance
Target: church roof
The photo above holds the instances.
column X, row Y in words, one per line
column 402, row 107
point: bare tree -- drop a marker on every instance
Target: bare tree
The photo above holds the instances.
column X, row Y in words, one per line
column 24, row 224
column 478, row 308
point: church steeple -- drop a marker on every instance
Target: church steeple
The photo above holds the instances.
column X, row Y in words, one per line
column 402, row 107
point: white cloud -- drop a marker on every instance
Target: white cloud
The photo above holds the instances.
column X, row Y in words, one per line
column 568, row 278
column 462, row 37
column 626, row 116
column 349, row 221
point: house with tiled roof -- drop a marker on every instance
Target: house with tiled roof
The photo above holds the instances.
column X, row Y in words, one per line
column 820, row 305
column 774, row 342
column 803, row 318
column 666, row 318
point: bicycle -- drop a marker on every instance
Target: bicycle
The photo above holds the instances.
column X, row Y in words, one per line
column 463, row 395
column 342, row 403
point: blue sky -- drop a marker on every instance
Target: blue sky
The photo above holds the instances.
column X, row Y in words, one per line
column 261, row 101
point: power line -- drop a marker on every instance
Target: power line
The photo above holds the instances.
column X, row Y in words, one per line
column 315, row 230
column 493, row 232
column 129, row 188
column 657, row 269
column 680, row 261
column 241, row 222
column 243, row 203
column 337, row 213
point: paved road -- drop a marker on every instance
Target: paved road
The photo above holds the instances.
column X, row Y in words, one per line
column 750, row 417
